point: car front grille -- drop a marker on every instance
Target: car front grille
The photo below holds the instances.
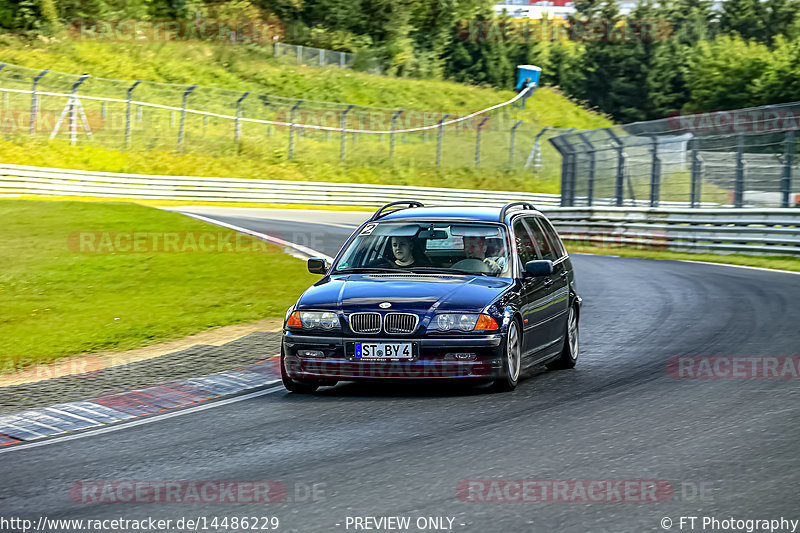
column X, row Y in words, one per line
column 365, row 322
column 400, row 322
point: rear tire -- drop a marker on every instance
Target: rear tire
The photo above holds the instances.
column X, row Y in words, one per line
column 569, row 353
column 298, row 386
column 512, row 362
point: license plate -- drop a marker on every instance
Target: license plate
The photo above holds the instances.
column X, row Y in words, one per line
column 400, row 350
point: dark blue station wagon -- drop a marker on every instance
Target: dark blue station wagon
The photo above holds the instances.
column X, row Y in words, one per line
column 446, row 293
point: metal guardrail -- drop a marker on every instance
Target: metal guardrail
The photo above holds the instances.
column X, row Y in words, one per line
column 20, row 179
column 721, row 231
column 748, row 231
column 25, row 180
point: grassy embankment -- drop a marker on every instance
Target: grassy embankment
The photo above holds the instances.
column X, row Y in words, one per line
column 263, row 151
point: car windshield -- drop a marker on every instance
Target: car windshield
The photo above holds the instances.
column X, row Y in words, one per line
column 453, row 248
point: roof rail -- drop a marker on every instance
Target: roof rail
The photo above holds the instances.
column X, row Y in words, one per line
column 380, row 212
column 523, row 205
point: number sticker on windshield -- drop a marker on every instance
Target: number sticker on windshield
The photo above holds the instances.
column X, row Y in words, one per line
column 368, row 229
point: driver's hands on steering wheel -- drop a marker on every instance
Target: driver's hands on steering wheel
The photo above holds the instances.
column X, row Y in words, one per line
column 493, row 264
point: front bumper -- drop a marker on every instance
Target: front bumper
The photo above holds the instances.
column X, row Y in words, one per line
column 430, row 360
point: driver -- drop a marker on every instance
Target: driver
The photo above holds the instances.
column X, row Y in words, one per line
column 475, row 248
column 402, row 249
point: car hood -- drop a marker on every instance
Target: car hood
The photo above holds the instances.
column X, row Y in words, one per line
column 421, row 294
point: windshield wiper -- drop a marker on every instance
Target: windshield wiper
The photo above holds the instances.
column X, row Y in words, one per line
column 445, row 270
column 359, row 270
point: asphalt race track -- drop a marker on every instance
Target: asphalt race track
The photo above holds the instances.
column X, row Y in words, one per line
column 727, row 447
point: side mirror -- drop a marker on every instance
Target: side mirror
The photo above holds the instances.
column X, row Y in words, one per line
column 317, row 265
column 539, row 268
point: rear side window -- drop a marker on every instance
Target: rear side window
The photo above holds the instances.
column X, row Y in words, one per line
column 552, row 236
column 549, row 251
column 526, row 247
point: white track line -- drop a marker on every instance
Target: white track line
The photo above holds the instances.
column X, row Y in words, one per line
column 126, row 424
column 304, row 250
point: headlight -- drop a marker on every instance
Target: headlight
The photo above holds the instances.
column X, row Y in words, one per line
column 450, row 321
column 463, row 322
column 313, row 320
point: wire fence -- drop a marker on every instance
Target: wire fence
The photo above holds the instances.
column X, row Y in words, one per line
column 318, row 57
column 143, row 115
column 742, row 158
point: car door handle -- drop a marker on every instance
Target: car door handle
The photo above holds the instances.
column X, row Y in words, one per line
column 548, row 282
column 564, row 274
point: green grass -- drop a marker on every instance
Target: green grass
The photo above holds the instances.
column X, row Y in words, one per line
column 251, row 67
column 56, row 300
column 773, row 262
column 263, row 152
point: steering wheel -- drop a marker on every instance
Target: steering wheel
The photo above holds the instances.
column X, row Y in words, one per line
column 473, row 265
column 382, row 263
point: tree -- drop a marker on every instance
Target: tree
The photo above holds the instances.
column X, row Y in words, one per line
column 744, row 17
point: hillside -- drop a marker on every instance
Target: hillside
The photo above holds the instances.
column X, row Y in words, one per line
column 263, row 152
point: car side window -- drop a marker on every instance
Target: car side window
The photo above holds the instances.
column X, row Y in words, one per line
column 546, row 248
column 552, row 236
column 526, row 247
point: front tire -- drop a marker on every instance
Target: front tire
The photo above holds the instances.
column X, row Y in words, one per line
column 569, row 354
column 298, row 386
column 512, row 362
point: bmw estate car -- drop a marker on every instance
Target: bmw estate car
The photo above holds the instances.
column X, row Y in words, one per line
column 441, row 293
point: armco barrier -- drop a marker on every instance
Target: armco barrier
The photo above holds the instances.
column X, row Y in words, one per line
column 748, row 231
column 742, row 231
column 24, row 180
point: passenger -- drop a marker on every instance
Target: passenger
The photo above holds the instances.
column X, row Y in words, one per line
column 475, row 248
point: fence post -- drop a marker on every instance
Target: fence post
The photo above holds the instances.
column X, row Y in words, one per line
column 786, row 182
column 535, row 154
column 619, row 188
column 565, row 149
column 511, row 144
column 439, row 140
column 34, row 100
column 5, row 94
column 592, row 153
column 291, row 128
column 341, row 60
column 73, row 122
column 738, row 193
column 695, row 198
column 478, row 142
column 655, row 173
column 186, row 94
column 128, row 114
column 344, row 134
column 299, row 54
column 395, row 116
column 321, row 57
column 237, row 130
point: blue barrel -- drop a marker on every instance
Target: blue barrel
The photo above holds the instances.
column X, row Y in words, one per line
column 527, row 71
